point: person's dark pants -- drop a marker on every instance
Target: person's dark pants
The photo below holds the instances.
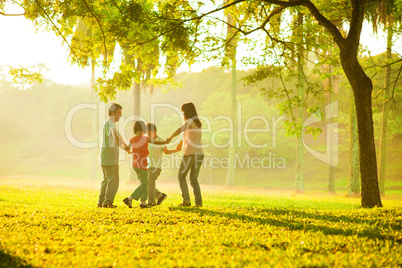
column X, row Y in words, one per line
column 193, row 164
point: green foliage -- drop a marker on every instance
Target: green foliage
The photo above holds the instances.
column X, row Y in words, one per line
column 51, row 223
column 107, row 88
column 281, row 87
column 375, row 67
column 25, row 76
column 150, row 35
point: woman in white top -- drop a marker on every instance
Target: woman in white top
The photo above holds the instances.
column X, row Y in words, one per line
column 193, row 154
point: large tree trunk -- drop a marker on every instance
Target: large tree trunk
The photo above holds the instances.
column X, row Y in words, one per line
column 362, row 88
column 385, row 111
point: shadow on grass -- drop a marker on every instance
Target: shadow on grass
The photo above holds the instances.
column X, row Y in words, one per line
column 294, row 225
column 324, row 216
column 7, row 260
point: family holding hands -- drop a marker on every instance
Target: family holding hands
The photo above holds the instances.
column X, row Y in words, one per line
column 147, row 153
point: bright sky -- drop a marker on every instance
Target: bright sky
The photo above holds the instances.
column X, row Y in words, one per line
column 21, row 45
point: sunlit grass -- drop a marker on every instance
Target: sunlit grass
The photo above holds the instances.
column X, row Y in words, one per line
column 44, row 222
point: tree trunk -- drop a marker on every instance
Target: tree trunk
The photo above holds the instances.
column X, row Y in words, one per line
column 232, row 149
column 300, row 86
column 362, row 89
column 231, row 54
column 136, row 87
column 385, row 111
column 94, row 151
column 331, row 171
column 354, row 173
column 130, row 60
column 137, row 98
column 137, row 111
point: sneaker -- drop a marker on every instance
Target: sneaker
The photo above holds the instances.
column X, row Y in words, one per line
column 151, row 205
column 161, row 199
column 109, row 206
column 198, row 205
column 144, row 206
column 185, row 204
column 128, row 202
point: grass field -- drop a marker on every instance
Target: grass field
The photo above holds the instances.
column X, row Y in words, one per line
column 49, row 223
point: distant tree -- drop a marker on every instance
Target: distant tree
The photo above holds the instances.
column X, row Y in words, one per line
column 383, row 14
column 299, row 31
column 331, row 171
column 386, row 107
column 231, row 48
column 354, row 172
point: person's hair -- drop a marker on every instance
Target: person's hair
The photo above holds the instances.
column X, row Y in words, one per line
column 190, row 112
column 114, row 107
column 139, row 126
column 151, row 127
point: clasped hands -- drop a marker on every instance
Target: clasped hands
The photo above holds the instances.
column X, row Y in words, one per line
column 178, row 147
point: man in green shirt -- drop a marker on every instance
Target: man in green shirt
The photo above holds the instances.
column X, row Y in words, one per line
column 109, row 157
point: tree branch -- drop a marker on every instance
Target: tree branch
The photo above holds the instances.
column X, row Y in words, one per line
column 54, row 25
column 190, row 19
column 393, row 89
column 115, row 3
column 356, row 25
column 321, row 19
column 261, row 27
column 100, row 25
column 289, row 100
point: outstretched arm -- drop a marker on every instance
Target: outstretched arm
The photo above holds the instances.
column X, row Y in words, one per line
column 119, row 140
column 178, row 131
column 158, row 142
column 178, row 149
